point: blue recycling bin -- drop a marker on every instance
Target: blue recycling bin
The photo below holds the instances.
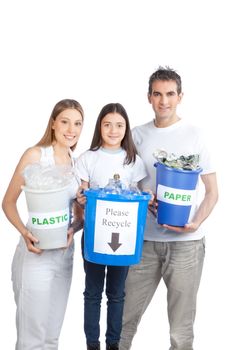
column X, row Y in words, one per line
column 114, row 227
column 176, row 193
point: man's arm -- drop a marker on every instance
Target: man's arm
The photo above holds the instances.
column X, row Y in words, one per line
column 206, row 206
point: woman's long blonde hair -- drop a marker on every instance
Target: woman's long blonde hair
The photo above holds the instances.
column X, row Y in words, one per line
column 49, row 136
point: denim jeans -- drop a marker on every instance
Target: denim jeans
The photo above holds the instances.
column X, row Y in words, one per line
column 115, row 292
column 179, row 264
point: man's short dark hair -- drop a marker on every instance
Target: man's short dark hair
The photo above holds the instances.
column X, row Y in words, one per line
column 165, row 74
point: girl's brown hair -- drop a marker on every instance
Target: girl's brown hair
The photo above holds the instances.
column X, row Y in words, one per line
column 127, row 143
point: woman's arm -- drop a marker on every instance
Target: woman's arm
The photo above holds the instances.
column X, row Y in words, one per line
column 9, row 203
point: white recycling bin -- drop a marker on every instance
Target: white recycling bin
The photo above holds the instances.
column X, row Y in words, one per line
column 49, row 216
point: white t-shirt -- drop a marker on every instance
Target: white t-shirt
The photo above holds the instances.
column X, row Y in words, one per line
column 181, row 139
column 99, row 166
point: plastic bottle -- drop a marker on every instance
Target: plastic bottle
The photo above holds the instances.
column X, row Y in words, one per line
column 114, row 185
column 133, row 188
column 110, row 187
column 117, row 183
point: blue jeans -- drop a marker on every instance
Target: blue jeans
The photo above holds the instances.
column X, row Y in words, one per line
column 179, row 264
column 115, row 292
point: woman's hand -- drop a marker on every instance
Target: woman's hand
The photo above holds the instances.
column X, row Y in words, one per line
column 70, row 236
column 30, row 240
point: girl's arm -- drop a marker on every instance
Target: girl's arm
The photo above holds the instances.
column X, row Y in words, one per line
column 77, row 223
column 9, row 203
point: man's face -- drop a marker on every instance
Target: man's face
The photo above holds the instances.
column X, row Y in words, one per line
column 164, row 100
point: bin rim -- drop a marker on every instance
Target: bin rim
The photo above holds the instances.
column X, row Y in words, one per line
column 183, row 171
column 117, row 197
column 39, row 191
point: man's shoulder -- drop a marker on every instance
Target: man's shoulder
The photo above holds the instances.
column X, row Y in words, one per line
column 191, row 128
column 142, row 132
column 144, row 126
column 142, row 129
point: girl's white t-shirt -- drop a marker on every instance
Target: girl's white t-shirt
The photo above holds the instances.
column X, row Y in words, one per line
column 97, row 167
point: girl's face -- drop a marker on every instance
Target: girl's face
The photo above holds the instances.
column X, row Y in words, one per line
column 67, row 127
column 113, row 127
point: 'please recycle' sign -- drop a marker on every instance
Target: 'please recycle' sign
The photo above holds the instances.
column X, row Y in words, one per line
column 115, row 227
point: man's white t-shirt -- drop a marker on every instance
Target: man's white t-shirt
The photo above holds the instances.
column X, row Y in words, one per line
column 180, row 138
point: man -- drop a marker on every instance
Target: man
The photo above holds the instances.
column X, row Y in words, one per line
column 174, row 254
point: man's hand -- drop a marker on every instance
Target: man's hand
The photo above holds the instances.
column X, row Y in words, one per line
column 191, row 227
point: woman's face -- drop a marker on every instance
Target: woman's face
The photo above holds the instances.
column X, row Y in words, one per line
column 67, row 127
column 113, row 127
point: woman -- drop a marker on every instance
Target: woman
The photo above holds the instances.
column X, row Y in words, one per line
column 42, row 279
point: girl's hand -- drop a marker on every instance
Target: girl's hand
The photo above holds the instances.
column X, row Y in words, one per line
column 152, row 199
column 81, row 198
column 30, row 240
column 152, row 203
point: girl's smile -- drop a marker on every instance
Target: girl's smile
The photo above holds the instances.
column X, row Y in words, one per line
column 113, row 127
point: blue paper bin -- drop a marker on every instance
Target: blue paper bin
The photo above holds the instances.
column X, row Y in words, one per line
column 114, row 227
column 176, row 193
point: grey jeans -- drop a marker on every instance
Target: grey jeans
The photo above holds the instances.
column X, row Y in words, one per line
column 179, row 264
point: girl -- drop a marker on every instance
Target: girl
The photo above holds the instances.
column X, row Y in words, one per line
column 41, row 279
column 112, row 151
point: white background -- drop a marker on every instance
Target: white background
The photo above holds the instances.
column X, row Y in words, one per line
column 103, row 51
